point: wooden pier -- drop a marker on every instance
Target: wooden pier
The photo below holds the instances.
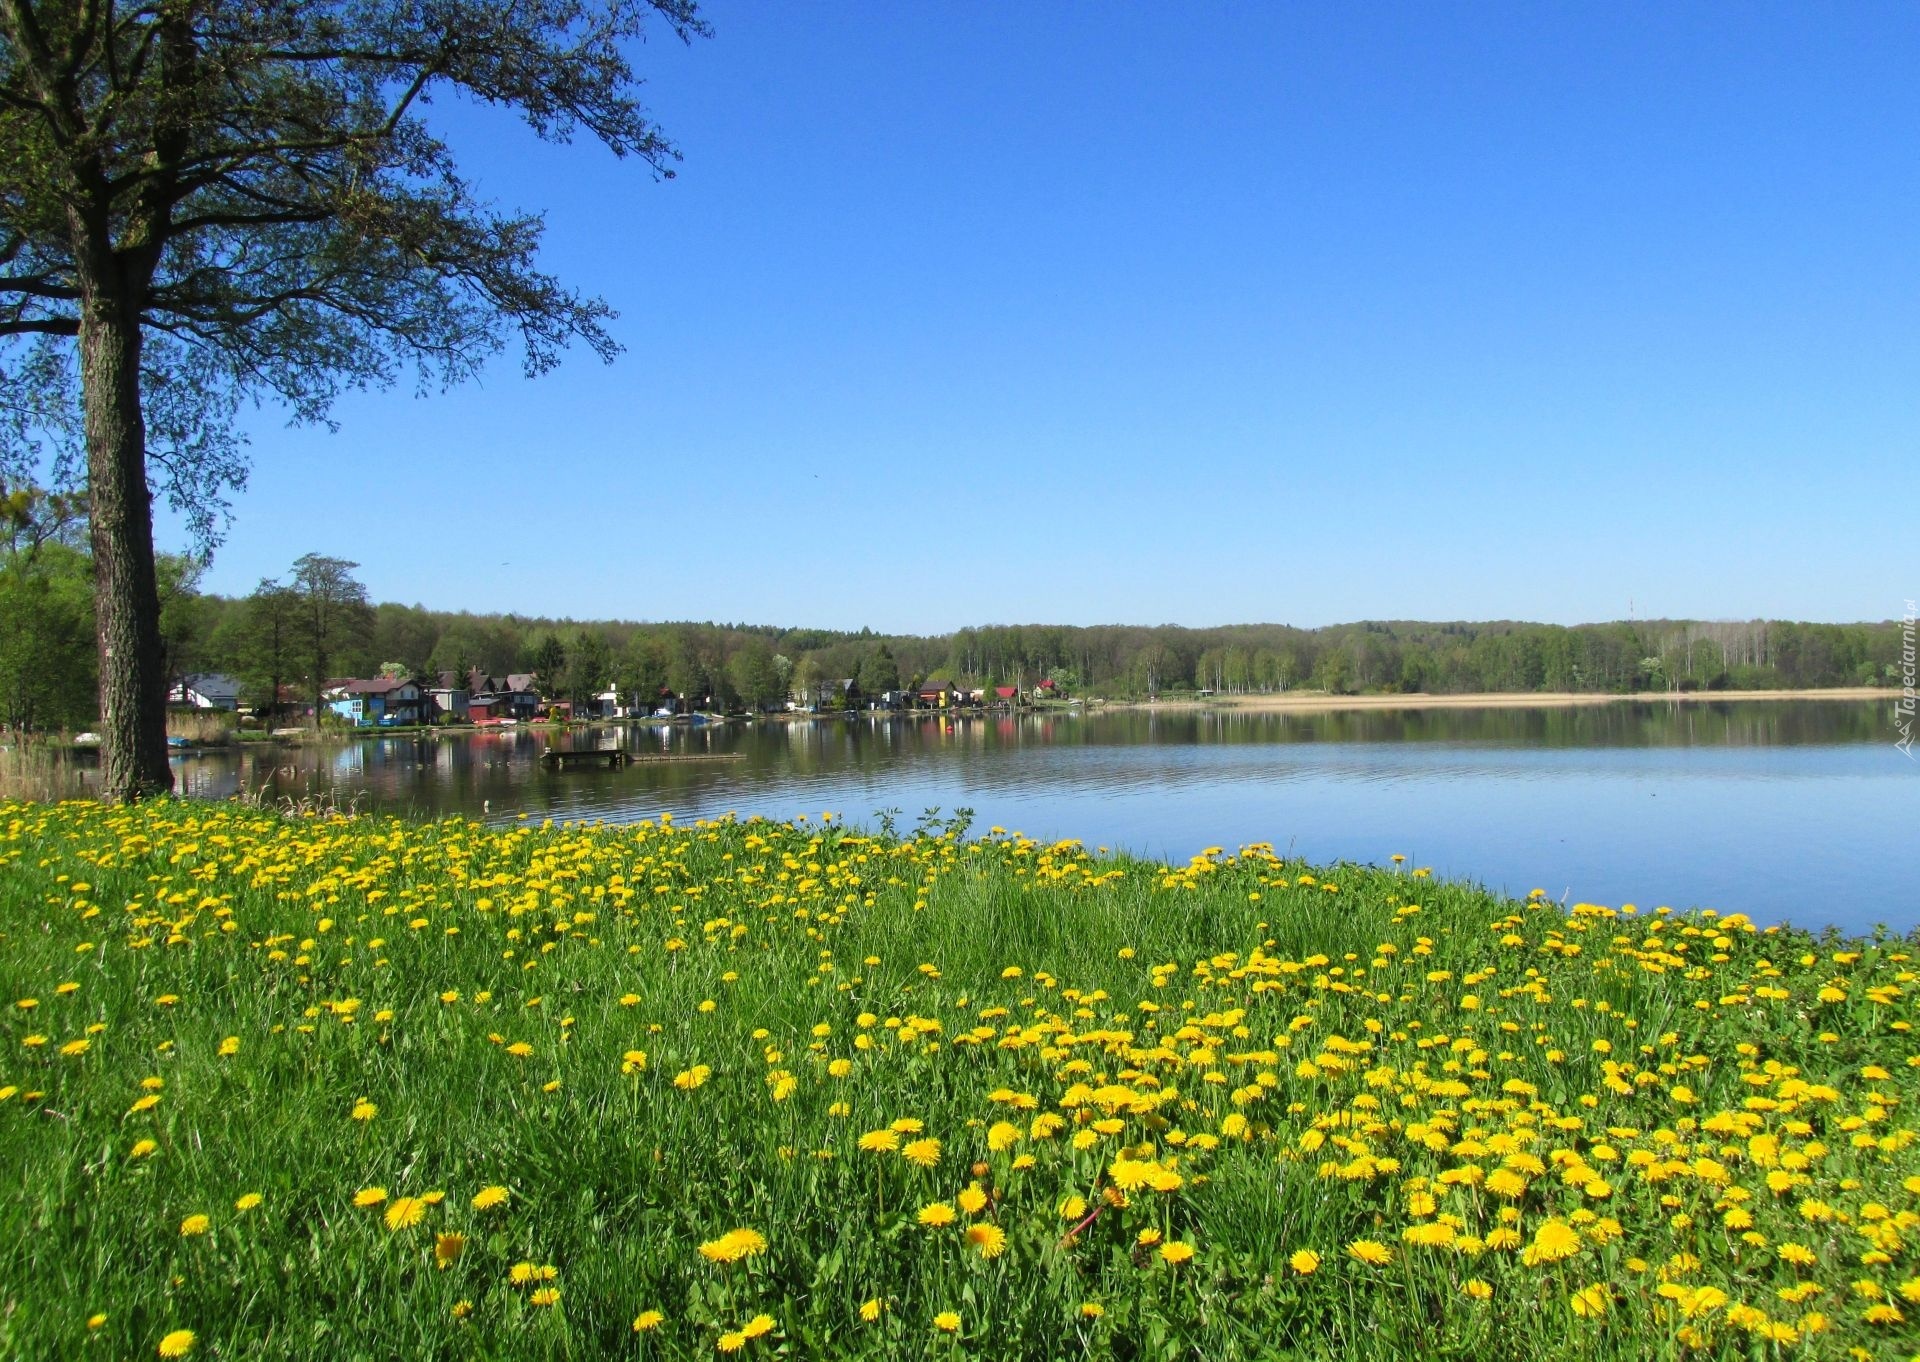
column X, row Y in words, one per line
column 613, row 758
column 559, row 759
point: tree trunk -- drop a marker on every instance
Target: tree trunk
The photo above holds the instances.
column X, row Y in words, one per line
column 133, row 716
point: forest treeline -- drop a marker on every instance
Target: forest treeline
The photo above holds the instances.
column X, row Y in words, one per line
column 275, row 640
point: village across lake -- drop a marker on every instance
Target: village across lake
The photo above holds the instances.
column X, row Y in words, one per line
column 1787, row 811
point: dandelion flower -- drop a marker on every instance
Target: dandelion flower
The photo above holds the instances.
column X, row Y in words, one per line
column 1305, row 1262
column 1176, row 1252
column 177, row 1344
column 870, row 1310
column 1590, row 1302
column 447, row 1249
column 405, row 1212
column 1553, row 1241
column 991, row 1240
column 647, row 1319
column 363, row 1110
column 731, row 1343
column 936, row 1215
column 546, row 1295
column 1092, row 1310
column 734, row 1245
column 758, row 1325
column 95, row 1321
column 192, row 1225
column 1370, row 1251
column 369, row 1196
column 488, row 1197
column 973, row 1200
column 1476, row 1289
column 947, row 1322
column 923, row 1153
column 880, row 1141
column 247, row 1201
column 689, row 1079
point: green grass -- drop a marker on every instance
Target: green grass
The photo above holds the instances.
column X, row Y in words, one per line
column 1304, row 1056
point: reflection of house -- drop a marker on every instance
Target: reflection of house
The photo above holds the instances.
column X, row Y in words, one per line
column 206, row 690
column 381, row 700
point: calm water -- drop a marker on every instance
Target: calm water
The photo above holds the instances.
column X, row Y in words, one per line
column 1794, row 811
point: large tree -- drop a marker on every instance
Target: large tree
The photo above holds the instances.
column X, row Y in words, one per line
column 330, row 616
column 207, row 200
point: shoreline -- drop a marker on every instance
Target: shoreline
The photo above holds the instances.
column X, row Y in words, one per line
column 1320, row 702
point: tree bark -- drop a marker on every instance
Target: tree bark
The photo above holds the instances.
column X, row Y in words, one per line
column 126, row 595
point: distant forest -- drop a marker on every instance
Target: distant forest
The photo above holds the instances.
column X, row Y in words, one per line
column 279, row 636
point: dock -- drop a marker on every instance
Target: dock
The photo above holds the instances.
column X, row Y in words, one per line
column 558, row 759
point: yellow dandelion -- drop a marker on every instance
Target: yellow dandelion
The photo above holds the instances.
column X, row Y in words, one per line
column 973, row 1200
column 447, row 1249
column 1476, row 1289
column 369, row 1196
column 947, row 1322
column 1590, row 1302
column 192, row 1225
column 1305, row 1262
column 247, row 1201
column 1553, row 1241
column 871, row 1310
column 731, row 1343
column 405, row 1212
column 880, row 1141
column 758, row 1325
column 936, row 1215
column 689, row 1079
column 177, row 1344
column 1176, row 1252
column 734, row 1245
column 923, row 1153
column 1370, row 1251
column 646, row 1320
column 363, row 1110
column 1092, row 1310
column 546, row 1295
column 991, row 1240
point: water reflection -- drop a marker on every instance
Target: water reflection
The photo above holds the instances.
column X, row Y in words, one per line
column 1778, row 810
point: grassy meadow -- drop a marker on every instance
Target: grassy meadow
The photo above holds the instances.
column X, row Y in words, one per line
column 306, row 1087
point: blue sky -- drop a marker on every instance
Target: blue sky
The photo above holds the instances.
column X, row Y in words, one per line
column 1231, row 312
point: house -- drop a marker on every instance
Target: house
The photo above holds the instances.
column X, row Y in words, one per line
column 1007, row 694
column 611, row 704
column 380, row 700
column 453, row 700
column 1048, row 690
column 206, row 690
column 934, row 695
column 521, row 694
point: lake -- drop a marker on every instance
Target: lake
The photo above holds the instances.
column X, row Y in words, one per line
column 1797, row 811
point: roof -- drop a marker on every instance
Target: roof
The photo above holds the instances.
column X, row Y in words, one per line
column 213, row 685
column 477, row 682
column 520, row 681
column 1006, row 692
column 933, row 687
column 378, row 685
